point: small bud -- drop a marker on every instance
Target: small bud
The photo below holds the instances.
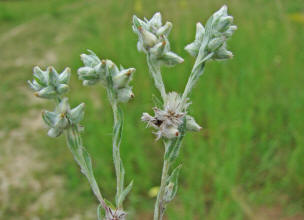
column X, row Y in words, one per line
column 137, row 22
column 49, row 118
column 47, row 92
column 34, row 85
column 53, row 76
column 64, row 77
column 158, row 49
column 89, row 82
column 222, row 54
column 224, row 23
column 63, row 106
column 122, row 79
column 61, row 121
column 40, row 76
column 171, row 59
column 124, row 94
column 156, row 21
column 191, row 124
column 62, row 88
column 193, row 48
column 112, row 68
column 165, row 30
column 215, row 43
column 85, row 71
column 221, row 12
column 148, row 38
column 77, row 113
column 90, row 60
column 171, row 132
column 200, row 31
column 54, row 132
column 230, row 31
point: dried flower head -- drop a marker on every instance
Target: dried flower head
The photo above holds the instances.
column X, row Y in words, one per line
column 168, row 120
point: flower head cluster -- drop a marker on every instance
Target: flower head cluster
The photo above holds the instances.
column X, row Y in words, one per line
column 167, row 121
column 105, row 71
column 153, row 39
column 219, row 28
column 63, row 117
column 49, row 84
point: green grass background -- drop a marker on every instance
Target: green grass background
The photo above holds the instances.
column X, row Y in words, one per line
column 250, row 153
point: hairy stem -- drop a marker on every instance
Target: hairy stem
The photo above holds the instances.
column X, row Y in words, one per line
column 156, row 75
column 160, row 205
column 117, row 133
column 159, row 208
column 197, row 71
column 83, row 159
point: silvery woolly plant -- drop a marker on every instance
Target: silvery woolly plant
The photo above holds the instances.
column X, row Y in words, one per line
column 171, row 119
column 49, row 84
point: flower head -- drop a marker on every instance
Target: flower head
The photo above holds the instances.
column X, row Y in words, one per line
column 105, row 71
column 63, row 117
column 219, row 29
column 153, row 39
column 166, row 121
column 49, row 84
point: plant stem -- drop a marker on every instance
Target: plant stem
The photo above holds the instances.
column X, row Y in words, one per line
column 83, row 159
column 160, row 206
column 119, row 170
column 156, row 75
column 196, row 72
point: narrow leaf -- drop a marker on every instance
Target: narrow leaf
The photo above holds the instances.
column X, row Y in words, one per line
column 172, row 184
column 124, row 193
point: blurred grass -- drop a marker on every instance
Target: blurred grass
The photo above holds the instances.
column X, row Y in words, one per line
column 250, row 152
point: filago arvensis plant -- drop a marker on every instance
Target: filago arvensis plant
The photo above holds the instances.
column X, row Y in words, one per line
column 170, row 121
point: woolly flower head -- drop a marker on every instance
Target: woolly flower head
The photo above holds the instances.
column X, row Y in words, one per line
column 167, row 121
column 219, row 29
column 63, row 117
column 105, row 71
column 49, row 84
column 153, row 39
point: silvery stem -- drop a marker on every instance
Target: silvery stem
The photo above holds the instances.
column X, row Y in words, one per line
column 157, row 77
column 197, row 71
column 83, row 159
column 160, row 205
column 159, row 208
column 117, row 132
